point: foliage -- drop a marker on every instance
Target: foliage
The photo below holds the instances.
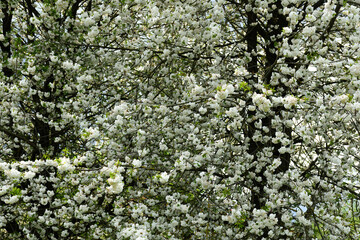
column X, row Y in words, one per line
column 148, row 119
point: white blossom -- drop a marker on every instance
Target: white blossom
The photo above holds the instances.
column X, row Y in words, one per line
column 290, row 101
column 202, row 110
column 136, row 163
column 261, row 102
column 232, row 112
column 355, row 69
column 164, row 177
column 179, row 119
column 65, row 165
column 116, row 184
column 13, row 173
column 12, row 200
column 309, row 31
column 29, row 175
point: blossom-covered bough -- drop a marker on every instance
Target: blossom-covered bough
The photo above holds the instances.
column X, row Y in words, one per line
column 147, row 119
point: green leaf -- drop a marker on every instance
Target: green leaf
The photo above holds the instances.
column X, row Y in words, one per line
column 312, row 56
column 244, row 86
column 15, row 191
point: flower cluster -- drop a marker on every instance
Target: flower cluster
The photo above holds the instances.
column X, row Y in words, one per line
column 181, row 119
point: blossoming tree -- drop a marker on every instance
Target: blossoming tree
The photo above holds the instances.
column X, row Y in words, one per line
column 179, row 119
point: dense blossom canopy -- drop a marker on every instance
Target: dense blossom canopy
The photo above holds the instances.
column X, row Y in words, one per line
column 179, row 119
